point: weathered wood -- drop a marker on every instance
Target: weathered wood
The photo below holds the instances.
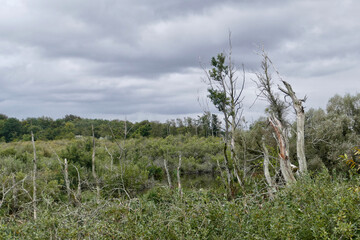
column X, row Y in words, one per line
column 272, row 188
column 167, row 173
column 77, row 196
column 93, row 168
column 178, row 176
column 285, row 165
column 67, row 182
column 300, row 126
column 15, row 191
column 34, row 177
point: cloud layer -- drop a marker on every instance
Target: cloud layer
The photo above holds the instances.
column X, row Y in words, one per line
column 108, row 59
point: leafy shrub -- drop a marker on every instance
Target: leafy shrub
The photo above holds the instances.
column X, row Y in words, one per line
column 156, row 172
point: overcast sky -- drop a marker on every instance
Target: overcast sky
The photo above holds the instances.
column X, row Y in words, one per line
column 140, row 58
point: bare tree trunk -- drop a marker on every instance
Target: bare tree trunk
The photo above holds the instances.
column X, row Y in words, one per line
column 238, row 177
column 125, row 136
column 228, row 173
column 111, row 157
column 178, row 176
column 122, row 153
column 221, row 173
column 167, row 173
column 67, row 182
column 300, row 125
column 285, row 164
column 34, row 177
column 15, row 192
column 66, row 175
column 269, row 181
column 300, row 142
column 93, row 168
column 78, row 192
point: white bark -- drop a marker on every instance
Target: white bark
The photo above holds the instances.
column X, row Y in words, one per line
column 67, row 182
column 300, row 142
column 268, row 178
column 111, row 157
column 15, row 191
column 167, row 173
column 178, row 176
column 93, row 168
column 78, row 192
column 285, row 165
column 300, row 125
column 34, row 177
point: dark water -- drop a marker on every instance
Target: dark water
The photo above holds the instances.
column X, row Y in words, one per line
column 196, row 181
column 189, row 181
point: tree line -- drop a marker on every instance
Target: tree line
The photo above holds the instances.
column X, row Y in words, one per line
column 71, row 126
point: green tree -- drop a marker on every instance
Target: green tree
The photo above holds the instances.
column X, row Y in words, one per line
column 226, row 95
column 11, row 129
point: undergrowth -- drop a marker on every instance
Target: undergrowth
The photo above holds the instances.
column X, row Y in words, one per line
column 320, row 207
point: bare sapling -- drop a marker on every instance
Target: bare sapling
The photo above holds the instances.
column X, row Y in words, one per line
column 34, row 177
column 93, row 168
column 178, row 176
column 167, row 173
column 67, row 181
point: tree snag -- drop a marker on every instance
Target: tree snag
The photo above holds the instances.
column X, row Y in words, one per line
column 34, row 177
column 167, row 173
column 178, row 177
column 66, row 177
column 272, row 188
column 277, row 120
column 300, row 125
column 93, row 168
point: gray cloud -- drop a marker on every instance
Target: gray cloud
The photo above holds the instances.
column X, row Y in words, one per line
column 113, row 58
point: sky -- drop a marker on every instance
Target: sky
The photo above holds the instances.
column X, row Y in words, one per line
column 142, row 59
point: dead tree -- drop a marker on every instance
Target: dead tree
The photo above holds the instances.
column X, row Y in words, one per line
column 66, row 177
column 65, row 166
column 277, row 121
column 77, row 195
column 283, row 143
column 122, row 150
column 111, row 158
column 6, row 189
column 300, row 125
column 34, row 177
column 93, row 168
column 167, row 173
column 272, row 188
column 15, row 192
column 178, row 176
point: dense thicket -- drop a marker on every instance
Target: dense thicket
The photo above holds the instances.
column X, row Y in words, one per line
column 324, row 207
